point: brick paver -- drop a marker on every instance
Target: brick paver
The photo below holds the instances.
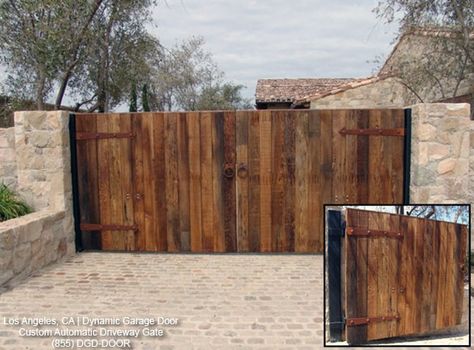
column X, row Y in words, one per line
column 221, row 301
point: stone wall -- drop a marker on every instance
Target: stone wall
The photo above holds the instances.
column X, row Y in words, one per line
column 7, row 157
column 386, row 93
column 44, row 181
column 441, row 152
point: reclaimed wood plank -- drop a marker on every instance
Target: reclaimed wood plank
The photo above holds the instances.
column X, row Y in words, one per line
column 218, row 179
column 326, row 157
column 88, row 180
column 266, row 215
column 315, row 208
column 373, row 262
column 403, row 309
column 159, row 181
column 434, row 270
column 148, row 196
column 195, row 181
column 362, row 155
column 349, row 174
column 302, row 194
column 460, row 261
column 356, row 277
column 228, row 183
column 126, row 180
column 288, row 238
column 254, row 182
column 339, row 120
column 183, row 181
column 427, row 287
column 392, row 223
column 207, row 194
column 138, row 181
column 242, row 181
column 396, row 156
column 172, row 185
column 278, row 180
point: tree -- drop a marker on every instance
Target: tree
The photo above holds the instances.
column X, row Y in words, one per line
column 50, row 45
column 133, row 99
column 447, row 59
column 145, row 104
column 125, row 52
column 187, row 78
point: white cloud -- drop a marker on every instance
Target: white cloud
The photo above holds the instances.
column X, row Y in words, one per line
column 253, row 39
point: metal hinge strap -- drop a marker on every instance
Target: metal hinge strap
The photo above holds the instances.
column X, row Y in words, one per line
column 360, row 321
column 364, row 232
column 110, row 227
column 102, row 135
column 373, row 132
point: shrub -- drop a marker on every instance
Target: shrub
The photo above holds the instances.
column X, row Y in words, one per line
column 10, row 205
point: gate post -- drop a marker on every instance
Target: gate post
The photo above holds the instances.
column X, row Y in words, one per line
column 335, row 233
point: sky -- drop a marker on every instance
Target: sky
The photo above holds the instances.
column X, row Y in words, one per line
column 252, row 39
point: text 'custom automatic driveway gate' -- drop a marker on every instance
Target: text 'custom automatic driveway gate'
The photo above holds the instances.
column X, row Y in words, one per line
column 233, row 181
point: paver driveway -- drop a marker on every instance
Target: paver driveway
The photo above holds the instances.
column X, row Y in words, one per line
column 221, row 301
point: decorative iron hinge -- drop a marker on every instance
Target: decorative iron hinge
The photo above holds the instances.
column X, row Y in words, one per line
column 360, row 321
column 110, row 227
column 364, row 232
column 373, row 132
column 102, row 135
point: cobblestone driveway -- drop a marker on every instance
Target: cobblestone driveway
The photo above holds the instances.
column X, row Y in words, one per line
column 222, row 301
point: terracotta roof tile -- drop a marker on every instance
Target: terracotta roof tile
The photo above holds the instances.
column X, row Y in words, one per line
column 291, row 90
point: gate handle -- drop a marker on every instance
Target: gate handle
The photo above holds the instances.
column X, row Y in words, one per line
column 229, row 172
column 242, row 171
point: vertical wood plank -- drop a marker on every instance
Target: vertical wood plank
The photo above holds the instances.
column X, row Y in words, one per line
column 242, row 181
column 362, row 158
column 139, row 186
column 442, row 275
column 356, row 276
column 460, row 251
column 350, row 172
column 278, row 181
column 427, row 287
column 126, row 181
column 218, row 180
column 434, row 231
column 266, row 215
column 339, row 156
column 326, row 157
column 159, row 181
column 207, row 195
column 377, row 170
column 410, row 288
column 374, row 267
column 392, row 223
column 302, row 166
column 88, row 180
column 228, row 183
column 148, row 196
column 183, row 181
column 396, row 155
column 315, row 208
column 402, row 282
column 172, row 185
column 254, row 182
column 195, row 181
column 288, row 239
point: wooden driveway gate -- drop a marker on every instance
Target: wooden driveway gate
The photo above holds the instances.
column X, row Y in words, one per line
column 403, row 275
column 245, row 181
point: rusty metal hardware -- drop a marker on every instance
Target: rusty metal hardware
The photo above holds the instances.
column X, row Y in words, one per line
column 229, row 172
column 108, row 227
column 360, row 321
column 364, row 232
column 242, row 171
column 373, row 132
column 102, row 135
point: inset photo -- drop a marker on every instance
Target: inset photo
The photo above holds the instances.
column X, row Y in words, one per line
column 397, row 275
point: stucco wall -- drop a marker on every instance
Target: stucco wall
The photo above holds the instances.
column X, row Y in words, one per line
column 442, row 157
column 385, row 93
column 7, row 157
column 44, row 181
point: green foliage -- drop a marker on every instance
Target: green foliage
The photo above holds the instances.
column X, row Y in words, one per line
column 145, row 103
column 133, row 99
column 187, row 78
column 10, row 205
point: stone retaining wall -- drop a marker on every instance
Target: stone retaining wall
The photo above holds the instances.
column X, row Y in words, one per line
column 7, row 157
column 441, row 151
column 44, row 180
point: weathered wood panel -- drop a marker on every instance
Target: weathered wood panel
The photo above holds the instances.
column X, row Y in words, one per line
column 417, row 277
column 226, row 181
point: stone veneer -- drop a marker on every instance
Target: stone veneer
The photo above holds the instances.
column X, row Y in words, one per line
column 7, row 157
column 442, row 154
column 385, row 93
column 44, row 181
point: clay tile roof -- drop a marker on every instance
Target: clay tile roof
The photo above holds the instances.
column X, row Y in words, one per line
column 343, row 87
column 291, row 90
